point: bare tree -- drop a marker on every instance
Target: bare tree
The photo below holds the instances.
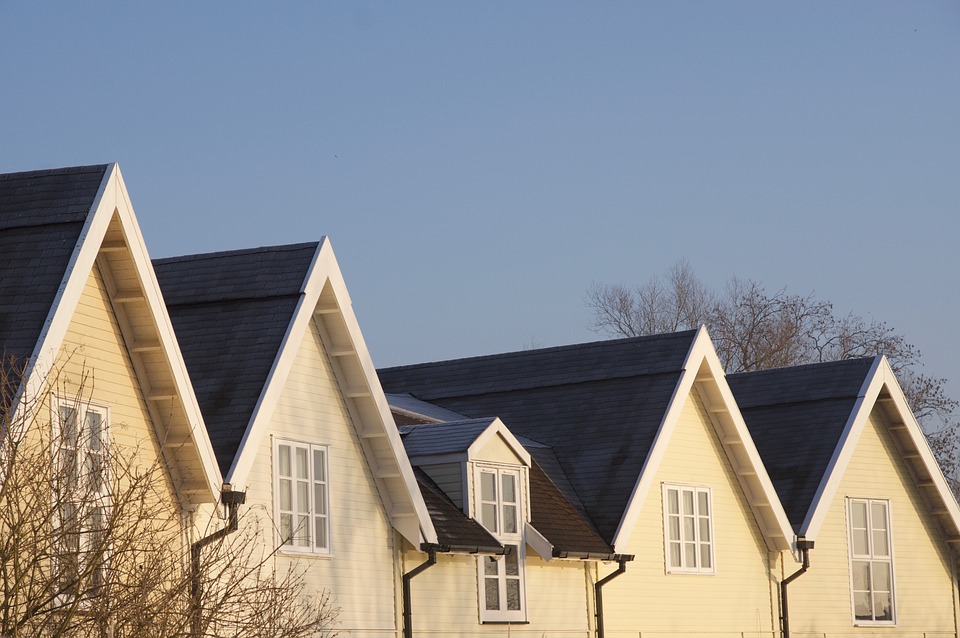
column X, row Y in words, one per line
column 93, row 542
column 754, row 329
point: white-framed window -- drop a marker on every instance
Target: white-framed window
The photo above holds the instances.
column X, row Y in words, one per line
column 301, row 487
column 81, row 492
column 871, row 561
column 500, row 509
column 688, row 529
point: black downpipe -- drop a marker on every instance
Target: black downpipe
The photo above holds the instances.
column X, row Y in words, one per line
column 233, row 501
column 598, row 589
column 804, row 546
column 431, row 550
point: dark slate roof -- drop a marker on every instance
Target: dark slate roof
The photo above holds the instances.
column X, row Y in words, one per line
column 598, row 405
column 41, row 216
column 454, row 529
column 796, row 416
column 432, row 439
column 560, row 522
column 230, row 311
column 416, row 411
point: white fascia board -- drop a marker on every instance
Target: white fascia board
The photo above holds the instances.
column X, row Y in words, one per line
column 324, row 269
column 538, row 542
column 495, row 428
column 168, row 339
column 920, row 445
column 830, row 482
column 657, row 450
column 749, row 447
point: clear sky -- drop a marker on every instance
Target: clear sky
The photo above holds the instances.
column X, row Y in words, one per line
column 478, row 165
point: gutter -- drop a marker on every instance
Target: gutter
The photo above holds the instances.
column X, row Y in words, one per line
column 622, row 559
column 233, row 501
column 804, row 546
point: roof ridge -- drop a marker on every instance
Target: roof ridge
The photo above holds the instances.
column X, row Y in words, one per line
column 81, row 168
column 803, row 366
column 568, row 347
column 239, row 251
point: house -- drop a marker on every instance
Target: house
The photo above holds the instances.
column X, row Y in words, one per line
column 642, row 439
column 862, row 489
column 92, row 373
column 298, row 420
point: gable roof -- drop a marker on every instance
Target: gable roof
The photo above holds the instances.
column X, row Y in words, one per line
column 822, row 390
column 56, row 226
column 243, row 315
column 231, row 311
column 796, row 416
column 456, row 532
column 607, row 409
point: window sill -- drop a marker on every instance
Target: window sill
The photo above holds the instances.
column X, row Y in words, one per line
column 302, row 553
column 504, row 622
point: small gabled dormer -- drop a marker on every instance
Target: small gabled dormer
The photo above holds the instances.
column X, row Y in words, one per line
column 483, row 469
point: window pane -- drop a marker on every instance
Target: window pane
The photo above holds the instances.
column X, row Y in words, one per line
column 286, row 494
column 284, row 460
column 690, row 554
column 704, row 503
column 858, row 512
column 303, row 531
column 881, row 577
column 488, row 486
column 704, row 530
column 705, row 555
column 861, row 575
column 286, row 528
column 303, row 497
column 860, row 542
column 673, row 525
column 513, row 594
column 883, row 606
column 302, row 463
column 320, row 534
column 673, row 504
column 861, row 605
column 488, row 516
column 880, row 545
column 68, row 424
column 511, row 561
column 492, row 593
column 510, row 519
column 491, row 565
column 319, row 500
column 675, row 555
column 319, row 466
column 688, row 502
column 878, row 512
column 94, row 430
column 509, row 488
column 689, row 525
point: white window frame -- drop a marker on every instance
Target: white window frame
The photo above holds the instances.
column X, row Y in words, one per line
column 873, row 557
column 682, row 541
column 315, row 488
column 91, row 501
column 510, row 539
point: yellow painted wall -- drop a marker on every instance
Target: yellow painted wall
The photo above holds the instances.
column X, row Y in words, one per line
column 734, row 602
column 820, row 601
column 361, row 573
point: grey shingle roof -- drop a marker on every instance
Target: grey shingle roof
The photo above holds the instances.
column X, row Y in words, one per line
column 598, row 405
column 560, row 522
column 452, row 437
column 230, row 311
column 41, row 216
column 796, row 416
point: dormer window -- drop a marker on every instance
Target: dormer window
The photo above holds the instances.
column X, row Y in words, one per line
column 499, row 507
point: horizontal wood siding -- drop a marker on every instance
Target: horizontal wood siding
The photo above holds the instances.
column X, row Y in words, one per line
column 820, row 600
column 733, row 602
column 449, row 478
column 361, row 572
column 445, row 599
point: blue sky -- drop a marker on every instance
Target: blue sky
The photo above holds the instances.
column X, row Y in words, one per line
column 478, row 165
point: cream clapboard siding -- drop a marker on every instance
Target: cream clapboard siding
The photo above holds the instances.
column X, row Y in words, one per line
column 735, row 602
column 446, row 599
column 820, row 600
column 449, row 478
column 94, row 364
column 361, row 573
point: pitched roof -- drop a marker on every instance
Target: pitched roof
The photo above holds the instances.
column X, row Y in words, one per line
column 455, row 530
column 231, row 311
column 452, row 437
column 598, row 405
column 559, row 520
column 796, row 417
column 42, row 214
